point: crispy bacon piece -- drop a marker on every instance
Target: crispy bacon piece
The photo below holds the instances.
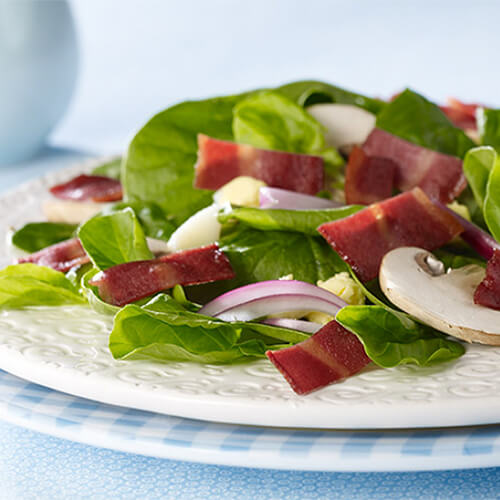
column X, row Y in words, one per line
column 409, row 219
column 460, row 114
column 368, row 179
column 61, row 256
column 440, row 176
column 125, row 283
column 330, row 355
column 221, row 161
column 488, row 292
column 89, row 188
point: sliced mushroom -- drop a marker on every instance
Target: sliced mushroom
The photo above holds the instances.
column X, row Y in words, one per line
column 345, row 124
column 415, row 281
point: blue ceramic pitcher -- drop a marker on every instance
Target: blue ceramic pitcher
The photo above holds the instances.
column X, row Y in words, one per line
column 38, row 66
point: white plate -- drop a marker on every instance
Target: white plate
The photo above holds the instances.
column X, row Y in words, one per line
column 163, row 436
column 66, row 349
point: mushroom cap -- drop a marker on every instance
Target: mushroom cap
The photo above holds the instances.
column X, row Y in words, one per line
column 415, row 281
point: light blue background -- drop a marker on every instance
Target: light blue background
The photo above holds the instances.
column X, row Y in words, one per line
column 140, row 56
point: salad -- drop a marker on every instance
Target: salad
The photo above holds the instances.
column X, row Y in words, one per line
column 294, row 223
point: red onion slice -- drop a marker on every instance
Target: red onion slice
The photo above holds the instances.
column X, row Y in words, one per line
column 267, row 290
column 294, row 324
column 277, row 304
column 291, row 200
column 483, row 243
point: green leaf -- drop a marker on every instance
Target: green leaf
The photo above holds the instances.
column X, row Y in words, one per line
column 37, row 235
column 391, row 339
column 478, row 163
column 418, row 120
column 306, row 93
column 164, row 331
column 179, row 295
column 468, row 199
column 110, row 169
column 371, row 290
column 301, row 221
column 269, row 120
column 453, row 259
column 165, row 304
column 482, row 169
column 91, row 293
column 266, row 255
column 114, row 239
column 489, row 127
column 151, row 217
column 24, row 285
column 492, row 200
column 160, row 159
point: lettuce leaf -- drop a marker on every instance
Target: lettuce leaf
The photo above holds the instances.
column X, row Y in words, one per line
column 301, row 221
column 308, row 92
column 163, row 330
column 38, row 235
column 114, row 239
column 418, row 120
column 391, row 338
column 24, row 285
column 270, row 120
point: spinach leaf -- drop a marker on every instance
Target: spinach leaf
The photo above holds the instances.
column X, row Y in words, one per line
column 491, row 206
column 113, row 239
column 418, row 120
column 453, row 259
column 163, row 330
column 151, row 217
column 489, row 127
column 391, row 339
column 110, row 169
column 306, row 93
column 269, row 120
column 266, row 255
column 301, row 221
column 38, row 235
column 23, row 285
column 468, row 199
column 371, row 290
column 160, row 159
column 478, row 163
column 482, row 169
column 179, row 295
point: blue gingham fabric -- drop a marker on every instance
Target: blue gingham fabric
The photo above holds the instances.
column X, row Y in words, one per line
column 124, row 429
